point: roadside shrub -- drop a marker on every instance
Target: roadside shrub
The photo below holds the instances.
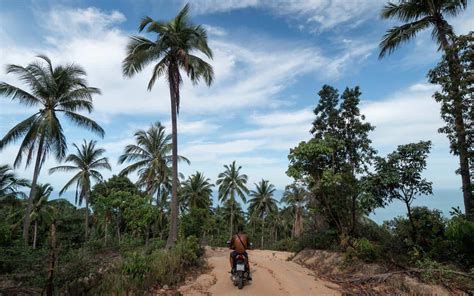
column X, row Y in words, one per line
column 363, row 249
column 286, row 244
column 429, row 226
column 460, row 233
column 74, row 265
column 139, row 271
column 136, row 265
column 130, row 243
column 324, row 240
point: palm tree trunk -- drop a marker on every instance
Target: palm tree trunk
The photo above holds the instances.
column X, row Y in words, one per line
column 231, row 219
column 455, row 94
column 35, row 234
column 86, row 221
column 38, row 163
column 174, row 94
column 261, row 243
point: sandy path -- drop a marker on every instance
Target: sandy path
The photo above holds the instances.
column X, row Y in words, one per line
column 271, row 273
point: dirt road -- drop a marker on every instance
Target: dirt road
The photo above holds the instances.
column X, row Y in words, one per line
column 272, row 275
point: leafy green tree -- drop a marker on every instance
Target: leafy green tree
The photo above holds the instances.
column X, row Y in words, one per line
column 232, row 184
column 399, row 177
column 137, row 213
column 295, row 196
column 9, row 183
column 417, row 16
column 175, row 44
column 87, row 161
column 197, row 191
column 151, row 157
column 337, row 157
column 54, row 91
column 109, row 200
column 262, row 202
column 196, row 222
column 358, row 151
column 464, row 47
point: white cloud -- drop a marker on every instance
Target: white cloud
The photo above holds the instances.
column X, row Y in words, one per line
column 247, row 75
column 317, row 14
column 409, row 116
column 216, row 31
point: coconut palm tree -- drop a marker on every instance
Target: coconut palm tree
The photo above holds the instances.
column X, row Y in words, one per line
column 262, row 202
column 232, row 184
column 295, row 196
column 54, row 91
column 232, row 210
column 151, row 157
column 43, row 211
column 197, row 191
column 176, row 42
column 9, row 183
column 418, row 15
column 87, row 161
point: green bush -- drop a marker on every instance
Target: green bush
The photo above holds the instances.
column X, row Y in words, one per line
column 363, row 249
column 324, row 240
column 460, row 233
column 136, row 265
column 129, row 243
column 286, row 244
column 138, row 271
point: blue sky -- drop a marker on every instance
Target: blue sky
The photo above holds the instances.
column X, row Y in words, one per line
column 270, row 60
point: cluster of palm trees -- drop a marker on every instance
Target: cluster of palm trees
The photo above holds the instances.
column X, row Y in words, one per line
column 62, row 91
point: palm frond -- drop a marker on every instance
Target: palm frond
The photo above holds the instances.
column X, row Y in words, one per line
column 86, row 122
column 398, row 35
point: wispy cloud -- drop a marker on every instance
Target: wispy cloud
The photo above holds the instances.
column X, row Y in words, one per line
column 318, row 15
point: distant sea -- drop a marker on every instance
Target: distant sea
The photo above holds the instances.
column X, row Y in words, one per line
column 442, row 199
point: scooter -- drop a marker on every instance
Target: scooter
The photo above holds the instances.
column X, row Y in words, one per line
column 239, row 272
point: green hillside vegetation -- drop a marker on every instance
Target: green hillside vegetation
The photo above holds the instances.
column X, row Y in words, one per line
column 124, row 237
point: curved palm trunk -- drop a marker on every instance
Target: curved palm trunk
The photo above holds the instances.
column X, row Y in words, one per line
column 38, row 163
column 174, row 94
column 454, row 73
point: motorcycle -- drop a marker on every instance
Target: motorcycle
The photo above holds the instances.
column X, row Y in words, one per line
column 239, row 272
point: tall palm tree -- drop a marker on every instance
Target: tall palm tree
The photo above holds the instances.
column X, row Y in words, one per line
column 173, row 50
column 151, row 157
column 197, row 191
column 54, row 91
column 262, row 202
column 43, row 210
column 417, row 16
column 295, row 196
column 9, row 183
column 87, row 161
column 232, row 184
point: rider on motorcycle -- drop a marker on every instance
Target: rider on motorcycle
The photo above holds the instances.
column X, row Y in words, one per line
column 240, row 243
